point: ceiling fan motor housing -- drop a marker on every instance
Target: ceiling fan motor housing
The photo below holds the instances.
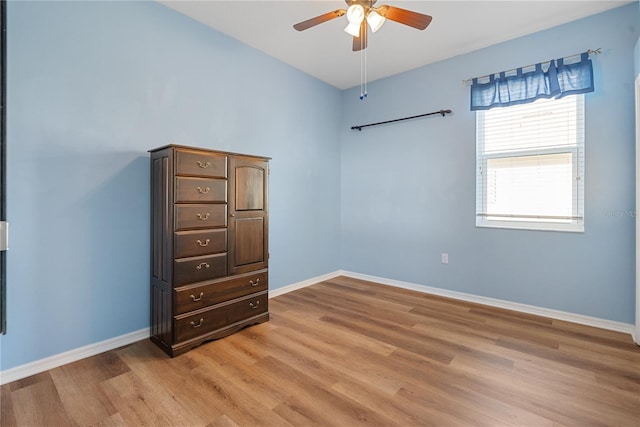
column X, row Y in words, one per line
column 364, row 3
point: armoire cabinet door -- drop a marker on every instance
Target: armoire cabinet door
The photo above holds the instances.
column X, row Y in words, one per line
column 248, row 216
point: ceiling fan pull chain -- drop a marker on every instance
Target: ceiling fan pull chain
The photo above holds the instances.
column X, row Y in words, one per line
column 361, row 72
column 366, row 34
column 363, row 65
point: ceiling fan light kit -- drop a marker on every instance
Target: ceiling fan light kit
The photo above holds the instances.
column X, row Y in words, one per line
column 375, row 20
column 355, row 15
column 353, row 29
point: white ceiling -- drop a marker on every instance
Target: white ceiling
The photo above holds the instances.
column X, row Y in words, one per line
column 325, row 52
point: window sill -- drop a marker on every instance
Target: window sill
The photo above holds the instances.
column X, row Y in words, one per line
column 533, row 226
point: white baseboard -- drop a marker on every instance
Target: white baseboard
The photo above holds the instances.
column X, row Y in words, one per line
column 57, row 360
column 290, row 288
column 523, row 308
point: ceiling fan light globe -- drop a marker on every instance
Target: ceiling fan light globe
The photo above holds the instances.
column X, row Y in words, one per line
column 375, row 20
column 355, row 14
column 353, row 29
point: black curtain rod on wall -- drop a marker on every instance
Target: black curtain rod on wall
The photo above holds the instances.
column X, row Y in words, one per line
column 443, row 112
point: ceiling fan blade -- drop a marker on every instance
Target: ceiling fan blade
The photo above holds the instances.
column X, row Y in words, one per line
column 406, row 17
column 301, row 26
column 360, row 42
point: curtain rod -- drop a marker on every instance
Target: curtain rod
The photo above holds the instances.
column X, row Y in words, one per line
column 590, row 51
column 443, row 112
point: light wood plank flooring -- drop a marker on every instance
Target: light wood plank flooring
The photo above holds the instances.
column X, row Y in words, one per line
column 345, row 353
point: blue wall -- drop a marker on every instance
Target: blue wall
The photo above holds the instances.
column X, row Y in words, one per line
column 408, row 189
column 93, row 86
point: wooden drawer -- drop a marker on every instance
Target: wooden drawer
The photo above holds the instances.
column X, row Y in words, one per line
column 194, row 297
column 207, row 320
column 203, row 190
column 200, row 216
column 200, row 242
column 199, row 269
column 200, row 163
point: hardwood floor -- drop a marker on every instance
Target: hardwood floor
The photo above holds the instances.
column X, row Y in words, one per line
column 347, row 352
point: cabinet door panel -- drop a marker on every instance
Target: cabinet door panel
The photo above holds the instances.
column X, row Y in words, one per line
column 249, row 241
column 248, row 214
column 249, row 188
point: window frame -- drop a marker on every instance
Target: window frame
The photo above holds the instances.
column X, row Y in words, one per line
column 575, row 223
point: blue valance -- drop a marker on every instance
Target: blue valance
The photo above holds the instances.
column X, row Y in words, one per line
column 558, row 80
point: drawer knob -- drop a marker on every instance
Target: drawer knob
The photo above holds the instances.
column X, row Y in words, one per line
column 203, row 217
column 254, row 284
column 201, row 191
column 197, row 298
column 203, row 165
column 254, row 306
column 199, row 242
column 197, row 325
column 202, row 265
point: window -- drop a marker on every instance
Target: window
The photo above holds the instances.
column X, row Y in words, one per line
column 530, row 165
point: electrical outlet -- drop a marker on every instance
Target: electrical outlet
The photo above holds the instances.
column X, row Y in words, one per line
column 445, row 258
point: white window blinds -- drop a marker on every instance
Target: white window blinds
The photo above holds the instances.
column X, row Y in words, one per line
column 530, row 165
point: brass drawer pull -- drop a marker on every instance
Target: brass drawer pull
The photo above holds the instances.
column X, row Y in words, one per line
column 199, row 323
column 197, row 298
column 199, row 242
column 201, row 191
column 254, row 306
column 203, row 217
column 201, row 265
column 203, row 165
column 254, row 284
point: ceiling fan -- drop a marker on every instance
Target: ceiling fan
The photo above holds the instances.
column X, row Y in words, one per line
column 361, row 12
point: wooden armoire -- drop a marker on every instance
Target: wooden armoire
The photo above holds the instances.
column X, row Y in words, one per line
column 209, row 245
